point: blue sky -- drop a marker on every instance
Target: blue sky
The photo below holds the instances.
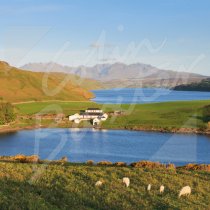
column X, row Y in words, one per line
column 170, row 34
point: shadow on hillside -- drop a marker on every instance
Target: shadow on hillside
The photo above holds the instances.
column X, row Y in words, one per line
column 203, row 118
column 205, row 114
column 23, row 195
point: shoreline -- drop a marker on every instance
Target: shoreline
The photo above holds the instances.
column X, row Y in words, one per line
column 189, row 131
column 174, row 131
column 12, row 130
column 21, row 158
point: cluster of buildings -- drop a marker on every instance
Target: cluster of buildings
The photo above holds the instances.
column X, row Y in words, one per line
column 95, row 115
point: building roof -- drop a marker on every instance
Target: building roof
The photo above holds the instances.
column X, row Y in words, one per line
column 91, row 114
column 93, row 109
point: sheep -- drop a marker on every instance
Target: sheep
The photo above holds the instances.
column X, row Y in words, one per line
column 162, row 189
column 185, row 191
column 149, row 187
column 98, row 183
column 126, row 181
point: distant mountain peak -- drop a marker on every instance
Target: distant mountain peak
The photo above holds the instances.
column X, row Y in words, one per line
column 122, row 75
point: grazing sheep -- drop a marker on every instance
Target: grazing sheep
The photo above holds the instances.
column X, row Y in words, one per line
column 185, row 191
column 126, row 181
column 162, row 189
column 149, row 187
column 98, row 183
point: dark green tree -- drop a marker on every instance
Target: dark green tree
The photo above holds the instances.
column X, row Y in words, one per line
column 7, row 113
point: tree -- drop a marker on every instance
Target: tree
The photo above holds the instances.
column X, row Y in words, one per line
column 7, row 113
column 206, row 113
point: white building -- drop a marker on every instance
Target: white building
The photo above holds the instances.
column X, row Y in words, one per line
column 95, row 115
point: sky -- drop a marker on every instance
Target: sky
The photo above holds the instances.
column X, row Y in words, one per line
column 169, row 34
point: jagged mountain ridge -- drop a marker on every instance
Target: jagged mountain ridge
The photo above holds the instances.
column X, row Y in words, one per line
column 123, row 75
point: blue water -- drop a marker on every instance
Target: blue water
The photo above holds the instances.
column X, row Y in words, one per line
column 80, row 145
column 146, row 95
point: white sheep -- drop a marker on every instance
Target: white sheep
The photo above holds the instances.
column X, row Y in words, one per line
column 185, row 191
column 162, row 189
column 126, row 181
column 149, row 187
column 98, row 183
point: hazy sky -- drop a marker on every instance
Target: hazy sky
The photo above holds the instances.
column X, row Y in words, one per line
column 170, row 34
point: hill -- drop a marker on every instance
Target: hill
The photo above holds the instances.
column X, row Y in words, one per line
column 18, row 85
column 122, row 75
column 204, row 85
column 72, row 186
column 176, row 117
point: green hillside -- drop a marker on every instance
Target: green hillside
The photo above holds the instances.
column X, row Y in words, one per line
column 17, row 85
column 168, row 116
column 72, row 186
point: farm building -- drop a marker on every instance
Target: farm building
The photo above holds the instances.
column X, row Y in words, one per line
column 93, row 110
column 95, row 115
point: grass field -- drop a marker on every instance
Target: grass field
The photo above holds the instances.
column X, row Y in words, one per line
column 72, row 186
column 169, row 115
column 54, row 106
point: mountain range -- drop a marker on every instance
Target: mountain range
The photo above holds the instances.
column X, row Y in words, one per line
column 52, row 81
column 121, row 75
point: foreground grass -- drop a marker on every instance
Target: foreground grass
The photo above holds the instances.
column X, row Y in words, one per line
column 167, row 116
column 72, row 186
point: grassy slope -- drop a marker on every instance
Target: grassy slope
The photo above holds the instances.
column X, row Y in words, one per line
column 163, row 115
column 19, row 85
column 72, row 187
column 160, row 115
